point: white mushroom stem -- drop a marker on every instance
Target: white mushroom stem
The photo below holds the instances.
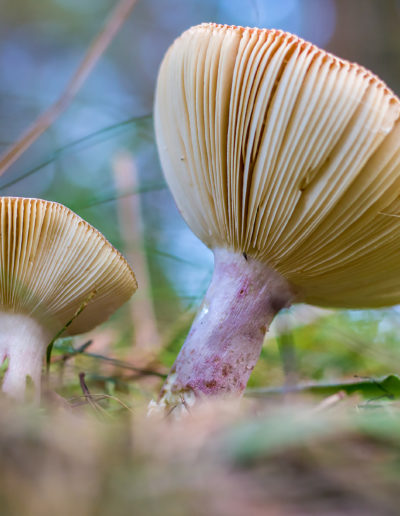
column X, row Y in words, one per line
column 226, row 337
column 23, row 341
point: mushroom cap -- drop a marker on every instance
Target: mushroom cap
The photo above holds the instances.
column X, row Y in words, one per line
column 276, row 148
column 52, row 262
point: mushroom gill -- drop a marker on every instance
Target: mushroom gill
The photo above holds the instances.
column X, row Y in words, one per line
column 51, row 262
column 284, row 160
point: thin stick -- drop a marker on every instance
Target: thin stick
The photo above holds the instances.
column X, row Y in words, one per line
column 114, row 361
column 147, row 338
column 329, row 402
column 66, row 356
column 87, row 394
column 100, row 397
column 125, row 365
column 95, row 51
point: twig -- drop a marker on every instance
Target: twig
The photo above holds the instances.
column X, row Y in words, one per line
column 83, row 385
column 100, row 397
column 147, row 337
column 114, row 361
column 87, row 394
column 125, row 365
column 329, row 402
column 95, row 51
column 66, row 356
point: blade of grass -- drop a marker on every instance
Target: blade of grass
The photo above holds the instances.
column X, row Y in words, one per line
column 58, row 334
column 287, row 352
column 387, row 387
column 95, row 51
column 115, row 197
column 151, row 249
column 72, row 147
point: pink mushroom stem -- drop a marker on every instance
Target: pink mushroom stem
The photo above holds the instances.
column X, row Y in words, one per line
column 227, row 334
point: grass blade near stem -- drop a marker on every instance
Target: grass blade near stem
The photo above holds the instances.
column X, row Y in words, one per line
column 75, row 315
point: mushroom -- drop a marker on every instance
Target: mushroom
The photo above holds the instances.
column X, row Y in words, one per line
column 285, row 161
column 51, row 263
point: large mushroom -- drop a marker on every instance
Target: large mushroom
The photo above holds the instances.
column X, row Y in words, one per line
column 51, row 263
column 285, row 161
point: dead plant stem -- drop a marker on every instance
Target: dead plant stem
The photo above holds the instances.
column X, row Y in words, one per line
column 92, row 56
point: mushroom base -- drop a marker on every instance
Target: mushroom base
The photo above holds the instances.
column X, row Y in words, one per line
column 227, row 334
column 23, row 341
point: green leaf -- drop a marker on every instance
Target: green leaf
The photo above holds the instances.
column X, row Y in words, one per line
column 370, row 388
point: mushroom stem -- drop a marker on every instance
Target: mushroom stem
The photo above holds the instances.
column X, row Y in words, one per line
column 226, row 337
column 23, row 341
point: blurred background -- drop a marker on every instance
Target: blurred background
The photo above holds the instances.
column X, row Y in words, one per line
column 93, row 452
column 99, row 159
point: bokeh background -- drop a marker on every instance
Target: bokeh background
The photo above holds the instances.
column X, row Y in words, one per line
column 329, row 449
column 99, row 158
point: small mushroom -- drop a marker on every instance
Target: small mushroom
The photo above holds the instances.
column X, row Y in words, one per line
column 290, row 174
column 51, row 263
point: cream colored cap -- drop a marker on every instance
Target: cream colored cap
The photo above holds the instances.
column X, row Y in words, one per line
column 274, row 147
column 52, row 260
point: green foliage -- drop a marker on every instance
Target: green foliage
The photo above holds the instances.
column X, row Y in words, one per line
column 387, row 387
column 97, row 453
